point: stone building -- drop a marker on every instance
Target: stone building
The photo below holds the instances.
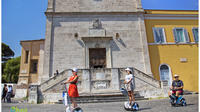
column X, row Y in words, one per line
column 31, row 65
column 101, row 38
column 95, row 33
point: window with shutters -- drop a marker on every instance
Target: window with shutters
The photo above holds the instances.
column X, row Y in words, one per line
column 195, row 34
column 159, row 35
column 26, row 56
column 34, row 66
column 180, row 35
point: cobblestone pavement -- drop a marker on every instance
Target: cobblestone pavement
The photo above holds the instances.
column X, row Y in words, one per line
column 156, row 105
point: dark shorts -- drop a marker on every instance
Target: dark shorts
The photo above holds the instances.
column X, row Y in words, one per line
column 180, row 91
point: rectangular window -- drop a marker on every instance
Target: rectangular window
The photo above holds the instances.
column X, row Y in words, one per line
column 26, row 56
column 180, row 35
column 159, row 35
column 195, row 34
column 34, row 66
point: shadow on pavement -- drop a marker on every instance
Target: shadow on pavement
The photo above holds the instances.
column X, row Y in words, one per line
column 182, row 106
column 144, row 109
column 189, row 104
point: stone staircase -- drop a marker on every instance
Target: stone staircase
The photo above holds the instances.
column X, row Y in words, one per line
column 53, row 81
column 102, row 98
column 146, row 86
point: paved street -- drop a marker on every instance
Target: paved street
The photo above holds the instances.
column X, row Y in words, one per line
column 156, row 105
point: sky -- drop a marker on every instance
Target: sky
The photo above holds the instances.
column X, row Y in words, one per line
column 25, row 19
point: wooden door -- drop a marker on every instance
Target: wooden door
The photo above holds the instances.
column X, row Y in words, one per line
column 97, row 57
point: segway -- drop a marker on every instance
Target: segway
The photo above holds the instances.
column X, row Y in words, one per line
column 179, row 102
column 127, row 106
column 67, row 102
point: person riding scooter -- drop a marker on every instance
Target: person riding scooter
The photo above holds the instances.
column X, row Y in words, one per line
column 73, row 90
column 177, row 86
column 129, row 84
column 176, row 89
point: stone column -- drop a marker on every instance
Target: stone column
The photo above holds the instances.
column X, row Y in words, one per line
column 40, row 63
column 165, row 88
column 47, row 49
column 115, row 81
column 87, row 65
column 144, row 43
column 50, row 7
column 139, row 5
column 86, row 81
column 108, row 55
column 33, row 97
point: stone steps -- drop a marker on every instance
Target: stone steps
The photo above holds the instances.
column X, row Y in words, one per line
column 105, row 98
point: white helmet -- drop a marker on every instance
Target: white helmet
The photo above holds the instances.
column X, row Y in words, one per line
column 75, row 69
column 128, row 69
column 176, row 75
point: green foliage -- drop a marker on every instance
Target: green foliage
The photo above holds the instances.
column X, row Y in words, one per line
column 11, row 70
column 7, row 53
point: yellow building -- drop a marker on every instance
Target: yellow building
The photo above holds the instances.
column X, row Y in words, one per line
column 31, row 61
column 172, row 37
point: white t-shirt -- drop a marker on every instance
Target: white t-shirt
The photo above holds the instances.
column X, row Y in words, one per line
column 9, row 89
column 128, row 77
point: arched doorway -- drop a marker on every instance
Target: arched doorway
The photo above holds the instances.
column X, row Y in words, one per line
column 165, row 73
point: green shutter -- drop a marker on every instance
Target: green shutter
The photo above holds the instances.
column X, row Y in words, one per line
column 175, row 35
column 186, row 36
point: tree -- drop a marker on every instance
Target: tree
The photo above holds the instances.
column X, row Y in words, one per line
column 11, row 70
column 7, row 53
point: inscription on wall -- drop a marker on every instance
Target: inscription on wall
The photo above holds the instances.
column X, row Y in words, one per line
column 101, row 85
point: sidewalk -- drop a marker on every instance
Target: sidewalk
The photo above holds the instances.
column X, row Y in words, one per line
column 155, row 105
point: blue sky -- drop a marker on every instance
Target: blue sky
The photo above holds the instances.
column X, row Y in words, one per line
column 25, row 19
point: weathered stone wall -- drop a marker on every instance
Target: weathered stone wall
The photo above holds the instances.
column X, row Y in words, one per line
column 63, row 50
column 94, row 5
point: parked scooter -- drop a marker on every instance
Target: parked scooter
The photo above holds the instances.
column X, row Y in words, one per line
column 179, row 102
column 67, row 102
column 127, row 106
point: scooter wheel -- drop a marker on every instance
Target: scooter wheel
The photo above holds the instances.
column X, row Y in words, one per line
column 184, row 104
column 173, row 105
column 78, row 109
column 127, row 109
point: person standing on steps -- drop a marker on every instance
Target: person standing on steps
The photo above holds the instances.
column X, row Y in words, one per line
column 57, row 72
column 73, row 90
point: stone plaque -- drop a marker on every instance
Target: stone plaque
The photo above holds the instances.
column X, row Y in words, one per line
column 97, row 33
column 183, row 59
column 100, row 85
column 100, row 76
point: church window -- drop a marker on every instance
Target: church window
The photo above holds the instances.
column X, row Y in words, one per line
column 180, row 35
column 26, row 56
column 34, row 66
column 159, row 35
column 195, row 34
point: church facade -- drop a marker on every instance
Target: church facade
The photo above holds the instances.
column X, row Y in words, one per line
column 95, row 34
